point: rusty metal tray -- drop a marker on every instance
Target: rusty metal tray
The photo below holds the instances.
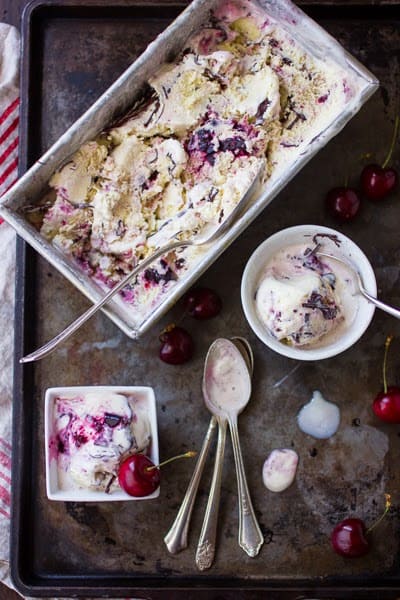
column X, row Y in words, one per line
column 117, row 549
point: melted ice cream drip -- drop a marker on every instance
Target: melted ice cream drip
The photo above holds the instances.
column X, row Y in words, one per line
column 319, row 418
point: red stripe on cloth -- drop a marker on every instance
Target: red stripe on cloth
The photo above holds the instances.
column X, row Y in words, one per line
column 8, row 150
column 9, row 110
column 13, row 165
column 5, row 495
column 9, row 130
column 5, row 460
column 6, row 190
column 4, row 443
column 4, row 513
column 2, row 221
column 6, row 478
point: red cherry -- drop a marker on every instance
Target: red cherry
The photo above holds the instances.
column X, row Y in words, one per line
column 343, row 203
column 377, row 182
column 177, row 346
column 348, row 538
column 202, row 303
column 386, row 405
column 136, row 478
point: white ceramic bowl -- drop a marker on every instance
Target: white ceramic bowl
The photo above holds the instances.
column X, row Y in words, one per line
column 144, row 395
column 299, row 235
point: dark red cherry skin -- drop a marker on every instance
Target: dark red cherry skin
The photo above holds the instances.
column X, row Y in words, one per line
column 386, row 405
column 134, row 479
column 176, row 346
column 349, row 538
column 377, row 183
column 343, row 203
column 202, row 303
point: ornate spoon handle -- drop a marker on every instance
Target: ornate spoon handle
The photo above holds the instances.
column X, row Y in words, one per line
column 176, row 538
column 206, row 547
column 250, row 536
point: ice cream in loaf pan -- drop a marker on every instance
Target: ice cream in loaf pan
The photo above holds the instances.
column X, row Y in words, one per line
column 241, row 92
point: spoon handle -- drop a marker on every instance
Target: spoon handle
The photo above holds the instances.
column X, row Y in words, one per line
column 250, row 536
column 79, row 321
column 395, row 312
column 206, row 547
column 176, row 538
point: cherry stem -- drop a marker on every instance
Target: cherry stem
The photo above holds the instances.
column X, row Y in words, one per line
column 392, row 145
column 383, row 515
column 387, row 344
column 188, row 454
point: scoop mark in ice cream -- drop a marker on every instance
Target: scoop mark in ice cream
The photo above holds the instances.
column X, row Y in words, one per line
column 242, row 93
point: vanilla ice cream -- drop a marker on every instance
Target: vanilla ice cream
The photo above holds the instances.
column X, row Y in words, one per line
column 301, row 299
column 92, row 432
column 241, row 95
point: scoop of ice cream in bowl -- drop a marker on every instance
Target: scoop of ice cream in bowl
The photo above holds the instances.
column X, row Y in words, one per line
column 89, row 431
column 300, row 302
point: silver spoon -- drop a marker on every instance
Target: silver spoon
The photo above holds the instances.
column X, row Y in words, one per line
column 395, row 312
column 227, row 390
column 176, row 538
column 207, row 542
column 207, row 235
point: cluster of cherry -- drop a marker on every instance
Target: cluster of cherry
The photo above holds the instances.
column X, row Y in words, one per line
column 376, row 183
column 350, row 537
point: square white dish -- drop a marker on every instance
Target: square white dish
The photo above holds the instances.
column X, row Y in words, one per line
column 122, row 94
column 144, row 395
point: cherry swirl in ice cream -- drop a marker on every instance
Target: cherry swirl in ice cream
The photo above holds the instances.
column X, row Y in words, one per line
column 243, row 93
column 92, row 432
column 303, row 300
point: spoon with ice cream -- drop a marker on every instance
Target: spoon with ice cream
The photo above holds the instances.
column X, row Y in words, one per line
column 176, row 538
column 227, row 390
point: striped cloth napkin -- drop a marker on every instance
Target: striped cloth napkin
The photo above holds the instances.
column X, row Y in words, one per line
column 9, row 114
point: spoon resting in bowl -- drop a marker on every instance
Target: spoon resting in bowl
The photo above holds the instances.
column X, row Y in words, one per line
column 391, row 310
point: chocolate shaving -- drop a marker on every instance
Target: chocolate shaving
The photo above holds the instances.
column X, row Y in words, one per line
column 316, row 301
column 171, row 169
column 215, row 77
column 262, row 107
column 213, row 192
column 149, row 95
column 155, row 158
column 154, row 112
column 109, row 484
column 332, row 236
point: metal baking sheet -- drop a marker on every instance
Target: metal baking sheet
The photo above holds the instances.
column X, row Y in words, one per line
column 128, row 88
column 117, row 549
